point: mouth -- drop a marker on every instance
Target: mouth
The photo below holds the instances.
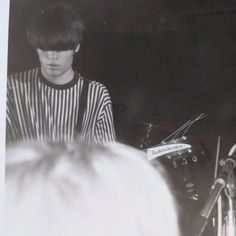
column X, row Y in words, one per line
column 53, row 66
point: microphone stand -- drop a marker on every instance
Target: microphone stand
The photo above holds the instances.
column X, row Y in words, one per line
column 224, row 181
column 230, row 217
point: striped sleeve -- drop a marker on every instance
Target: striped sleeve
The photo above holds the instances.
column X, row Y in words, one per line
column 11, row 116
column 104, row 129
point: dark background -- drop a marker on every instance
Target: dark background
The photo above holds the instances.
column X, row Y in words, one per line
column 162, row 61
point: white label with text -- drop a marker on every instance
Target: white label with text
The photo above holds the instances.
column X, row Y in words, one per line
column 158, row 151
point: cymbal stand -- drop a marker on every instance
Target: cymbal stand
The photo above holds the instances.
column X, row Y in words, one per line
column 219, row 201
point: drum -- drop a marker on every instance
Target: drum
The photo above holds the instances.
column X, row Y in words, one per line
column 184, row 159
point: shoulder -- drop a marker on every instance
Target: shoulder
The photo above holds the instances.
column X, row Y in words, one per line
column 95, row 85
column 24, row 75
column 97, row 91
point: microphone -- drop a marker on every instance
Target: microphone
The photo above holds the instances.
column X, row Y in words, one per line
column 220, row 183
column 202, row 219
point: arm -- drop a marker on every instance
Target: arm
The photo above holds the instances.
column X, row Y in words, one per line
column 104, row 130
column 10, row 114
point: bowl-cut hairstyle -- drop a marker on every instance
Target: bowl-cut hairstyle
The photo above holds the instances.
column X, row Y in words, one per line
column 57, row 27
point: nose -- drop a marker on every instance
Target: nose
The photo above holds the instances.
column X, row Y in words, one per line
column 52, row 54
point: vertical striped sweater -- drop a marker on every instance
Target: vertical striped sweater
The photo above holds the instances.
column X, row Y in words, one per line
column 38, row 109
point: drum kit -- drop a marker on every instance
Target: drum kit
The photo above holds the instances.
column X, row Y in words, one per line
column 185, row 157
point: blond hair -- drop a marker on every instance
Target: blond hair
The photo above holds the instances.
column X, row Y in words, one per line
column 76, row 190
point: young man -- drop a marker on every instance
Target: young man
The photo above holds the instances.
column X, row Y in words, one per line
column 71, row 190
column 54, row 102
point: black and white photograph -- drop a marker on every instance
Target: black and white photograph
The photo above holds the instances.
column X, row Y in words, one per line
column 119, row 118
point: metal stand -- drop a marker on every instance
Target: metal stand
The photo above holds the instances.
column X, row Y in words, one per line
column 226, row 182
column 229, row 226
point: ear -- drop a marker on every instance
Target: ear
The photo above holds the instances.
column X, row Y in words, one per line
column 77, row 48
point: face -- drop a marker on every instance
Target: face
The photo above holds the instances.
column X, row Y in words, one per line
column 56, row 65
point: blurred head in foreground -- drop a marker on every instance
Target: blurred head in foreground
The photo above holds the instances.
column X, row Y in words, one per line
column 73, row 190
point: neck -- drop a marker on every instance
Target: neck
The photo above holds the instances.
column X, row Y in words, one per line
column 64, row 78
